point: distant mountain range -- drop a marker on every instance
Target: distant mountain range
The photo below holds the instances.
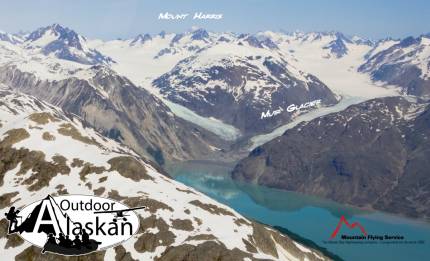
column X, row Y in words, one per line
column 404, row 63
column 230, row 77
column 169, row 96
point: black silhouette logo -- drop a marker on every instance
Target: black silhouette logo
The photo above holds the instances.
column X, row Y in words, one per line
column 47, row 223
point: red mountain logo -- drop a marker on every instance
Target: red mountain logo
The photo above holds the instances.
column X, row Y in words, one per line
column 342, row 221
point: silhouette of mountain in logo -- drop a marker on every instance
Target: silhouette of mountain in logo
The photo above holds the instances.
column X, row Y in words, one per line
column 343, row 221
column 60, row 218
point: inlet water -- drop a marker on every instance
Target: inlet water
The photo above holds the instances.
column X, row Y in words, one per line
column 310, row 217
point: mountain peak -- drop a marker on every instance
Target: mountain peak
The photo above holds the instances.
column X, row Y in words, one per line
column 56, row 26
column 359, row 40
column 260, row 41
column 408, row 41
column 13, row 39
column 141, row 39
column 342, row 37
column 162, row 34
column 64, row 43
column 199, row 34
column 52, row 31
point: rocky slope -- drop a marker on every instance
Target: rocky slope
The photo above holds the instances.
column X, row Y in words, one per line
column 46, row 151
column 405, row 63
column 374, row 154
column 120, row 110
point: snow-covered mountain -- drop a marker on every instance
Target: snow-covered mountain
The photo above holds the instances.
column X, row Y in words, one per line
column 141, row 39
column 46, row 151
column 337, row 45
column 238, row 81
column 317, row 53
column 13, row 39
column 381, row 45
column 258, row 41
column 332, row 44
column 189, row 42
column 175, row 59
column 404, row 63
column 226, row 79
column 309, row 52
column 145, row 57
column 63, row 43
column 51, row 53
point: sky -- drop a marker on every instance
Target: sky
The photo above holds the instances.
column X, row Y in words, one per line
column 111, row 19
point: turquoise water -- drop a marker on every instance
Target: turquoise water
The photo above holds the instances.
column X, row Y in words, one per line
column 308, row 216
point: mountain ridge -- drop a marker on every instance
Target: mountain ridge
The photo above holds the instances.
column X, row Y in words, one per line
column 369, row 155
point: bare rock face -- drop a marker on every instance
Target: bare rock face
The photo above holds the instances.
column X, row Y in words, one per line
column 178, row 223
column 374, row 154
column 117, row 108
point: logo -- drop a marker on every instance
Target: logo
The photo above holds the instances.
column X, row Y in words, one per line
column 350, row 233
column 343, row 221
column 74, row 224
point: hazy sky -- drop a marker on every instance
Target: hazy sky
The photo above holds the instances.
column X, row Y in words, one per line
column 108, row 19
